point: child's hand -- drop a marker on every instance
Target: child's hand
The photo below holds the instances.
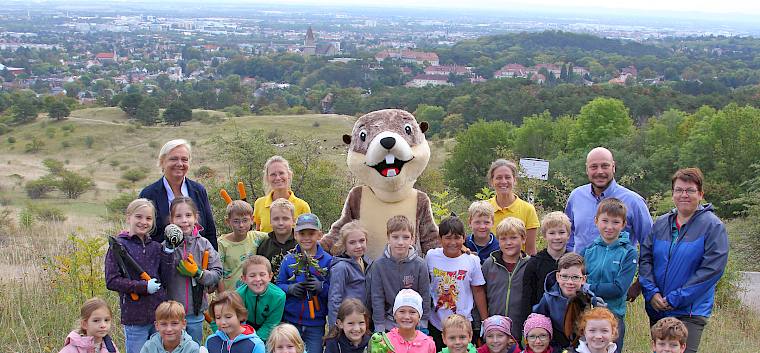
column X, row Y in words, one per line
column 188, row 267
column 297, row 290
column 313, row 285
column 153, row 286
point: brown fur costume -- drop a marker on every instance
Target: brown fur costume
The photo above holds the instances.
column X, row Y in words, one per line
column 387, row 153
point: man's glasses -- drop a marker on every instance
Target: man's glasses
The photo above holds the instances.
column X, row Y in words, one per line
column 690, row 192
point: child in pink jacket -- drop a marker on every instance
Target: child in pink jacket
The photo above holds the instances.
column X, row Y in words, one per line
column 94, row 326
column 405, row 338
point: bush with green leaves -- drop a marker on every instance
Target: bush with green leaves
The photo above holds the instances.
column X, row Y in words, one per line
column 40, row 188
column 116, row 208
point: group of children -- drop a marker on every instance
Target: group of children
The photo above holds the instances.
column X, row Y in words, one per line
column 480, row 292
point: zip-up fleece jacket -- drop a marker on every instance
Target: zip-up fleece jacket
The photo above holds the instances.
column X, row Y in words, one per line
column 553, row 305
column 686, row 272
column 156, row 345
column 470, row 349
column 181, row 287
column 157, row 264
column 387, row 276
column 610, row 269
column 341, row 344
column 421, row 343
column 297, row 309
column 347, row 280
column 246, row 342
column 535, row 275
column 77, row 343
column 504, row 290
column 265, row 309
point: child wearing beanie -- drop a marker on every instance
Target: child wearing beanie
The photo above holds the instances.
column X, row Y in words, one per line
column 497, row 331
column 537, row 334
column 404, row 338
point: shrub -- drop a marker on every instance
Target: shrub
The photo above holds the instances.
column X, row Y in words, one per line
column 11, row 139
column 50, row 132
column 74, row 185
column 117, row 207
column 25, row 218
column 205, row 172
column 89, row 141
column 153, row 144
column 46, row 213
column 68, row 127
column 34, row 146
column 235, row 110
column 114, row 163
column 135, row 175
column 4, row 129
column 39, row 188
column 65, row 144
column 77, row 274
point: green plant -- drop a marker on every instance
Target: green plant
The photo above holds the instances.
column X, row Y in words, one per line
column 50, row 132
column 485, row 193
column 440, row 203
column 11, row 139
column 26, row 218
column 89, row 141
column 65, row 144
column 77, row 274
column 34, row 146
column 39, row 188
column 114, row 163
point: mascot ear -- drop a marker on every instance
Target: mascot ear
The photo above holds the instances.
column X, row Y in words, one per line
column 424, row 126
column 347, row 139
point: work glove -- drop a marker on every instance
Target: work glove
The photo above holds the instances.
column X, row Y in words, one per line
column 153, row 286
column 189, row 268
column 297, row 290
column 313, row 285
column 173, row 235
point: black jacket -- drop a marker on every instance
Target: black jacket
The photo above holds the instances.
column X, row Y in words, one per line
column 156, row 192
column 341, row 344
column 535, row 275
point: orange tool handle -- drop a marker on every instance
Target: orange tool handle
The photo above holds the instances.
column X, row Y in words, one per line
column 241, row 190
column 145, row 276
column 316, row 302
column 207, row 317
column 134, row 296
column 311, row 309
column 225, row 196
column 204, row 261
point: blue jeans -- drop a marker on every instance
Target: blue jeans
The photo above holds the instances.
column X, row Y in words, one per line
column 195, row 327
column 621, row 333
column 136, row 336
column 312, row 337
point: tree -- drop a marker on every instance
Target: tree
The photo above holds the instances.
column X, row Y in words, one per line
column 74, row 185
column 176, row 113
column 600, row 122
column 476, row 148
column 147, row 111
column 134, row 175
column 433, row 114
column 39, row 188
column 130, row 103
column 58, row 110
column 24, row 109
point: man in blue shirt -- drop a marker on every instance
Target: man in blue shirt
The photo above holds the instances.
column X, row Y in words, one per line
column 583, row 201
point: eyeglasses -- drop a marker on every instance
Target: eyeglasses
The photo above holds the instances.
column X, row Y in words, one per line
column 690, row 192
column 574, row 278
column 541, row 337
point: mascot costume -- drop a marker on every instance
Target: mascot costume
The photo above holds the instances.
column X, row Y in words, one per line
column 387, row 152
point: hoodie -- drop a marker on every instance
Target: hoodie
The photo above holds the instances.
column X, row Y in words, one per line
column 684, row 271
column 504, row 289
column 77, row 343
column 265, row 309
column 553, row 305
column 347, row 280
column 610, row 269
column 156, row 345
column 157, row 264
column 297, row 309
column 341, row 344
column 387, row 276
column 181, row 287
column 583, row 348
column 536, row 269
column 246, row 342
column 421, row 343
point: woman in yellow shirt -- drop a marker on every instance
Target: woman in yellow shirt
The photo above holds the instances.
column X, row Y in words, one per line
column 502, row 176
column 276, row 180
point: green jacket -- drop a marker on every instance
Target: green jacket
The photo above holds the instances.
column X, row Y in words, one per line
column 264, row 310
column 470, row 349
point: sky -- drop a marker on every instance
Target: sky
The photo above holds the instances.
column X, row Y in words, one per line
column 743, row 7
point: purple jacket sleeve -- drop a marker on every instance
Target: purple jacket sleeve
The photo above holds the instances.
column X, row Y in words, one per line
column 118, row 283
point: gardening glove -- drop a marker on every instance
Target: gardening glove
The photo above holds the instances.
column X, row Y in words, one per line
column 313, row 285
column 153, row 286
column 189, row 268
column 297, row 290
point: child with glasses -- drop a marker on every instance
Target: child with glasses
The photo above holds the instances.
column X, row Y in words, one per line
column 570, row 282
column 611, row 261
column 239, row 245
column 537, row 333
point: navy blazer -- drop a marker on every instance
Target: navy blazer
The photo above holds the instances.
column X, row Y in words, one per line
column 156, row 192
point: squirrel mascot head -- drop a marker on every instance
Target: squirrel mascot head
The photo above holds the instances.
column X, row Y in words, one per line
column 388, row 152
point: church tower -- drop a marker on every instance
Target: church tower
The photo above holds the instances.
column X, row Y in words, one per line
column 310, row 44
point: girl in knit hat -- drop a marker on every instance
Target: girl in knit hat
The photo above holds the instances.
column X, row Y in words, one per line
column 497, row 331
column 405, row 338
column 537, row 334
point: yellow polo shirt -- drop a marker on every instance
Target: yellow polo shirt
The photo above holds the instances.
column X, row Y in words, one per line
column 518, row 209
column 261, row 210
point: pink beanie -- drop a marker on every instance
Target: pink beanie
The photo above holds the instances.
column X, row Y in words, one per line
column 498, row 323
column 537, row 321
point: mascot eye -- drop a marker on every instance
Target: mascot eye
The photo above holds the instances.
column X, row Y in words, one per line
column 363, row 135
column 408, row 129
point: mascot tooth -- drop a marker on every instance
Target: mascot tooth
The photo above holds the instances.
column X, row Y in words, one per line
column 387, row 152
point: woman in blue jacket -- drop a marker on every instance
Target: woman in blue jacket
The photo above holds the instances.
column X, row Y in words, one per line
column 174, row 161
column 683, row 258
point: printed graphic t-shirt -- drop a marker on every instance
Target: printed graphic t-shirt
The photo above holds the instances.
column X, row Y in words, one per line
column 450, row 281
